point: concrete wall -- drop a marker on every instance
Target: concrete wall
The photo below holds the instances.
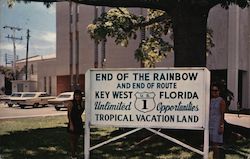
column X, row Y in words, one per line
column 24, row 86
column 219, row 24
column 47, row 76
column 62, row 38
column 2, row 83
column 231, row 51
column 244, row 33
column 32, row 70
column 86, row 44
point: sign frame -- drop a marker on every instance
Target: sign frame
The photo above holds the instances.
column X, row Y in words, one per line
column 204, row 127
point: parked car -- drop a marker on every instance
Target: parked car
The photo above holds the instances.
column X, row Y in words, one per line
column 34, row 99
column 14, row 98
column 4, row 98
column 61, row 100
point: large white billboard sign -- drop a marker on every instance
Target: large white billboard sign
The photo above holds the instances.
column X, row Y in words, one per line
column 154, row 98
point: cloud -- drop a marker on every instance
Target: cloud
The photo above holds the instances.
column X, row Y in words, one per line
column 41, row 47
column 9, row 46
column 52, row 9
column 48, row 36
column 35, row 17
column 43, row 8
column 43, row 42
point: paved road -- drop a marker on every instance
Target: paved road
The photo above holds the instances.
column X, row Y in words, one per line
column 242, row 120
column 16, row 112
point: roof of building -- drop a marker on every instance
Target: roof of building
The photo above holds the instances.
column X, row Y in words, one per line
column 38, row 57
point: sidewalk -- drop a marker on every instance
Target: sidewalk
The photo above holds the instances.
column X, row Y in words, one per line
column 241, row 119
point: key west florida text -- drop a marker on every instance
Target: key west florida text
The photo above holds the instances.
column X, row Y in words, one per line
column 155, row 98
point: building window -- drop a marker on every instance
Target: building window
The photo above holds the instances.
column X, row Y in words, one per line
column 19, row 87
column 31, row 69
column 45, row 85
column 50, row 85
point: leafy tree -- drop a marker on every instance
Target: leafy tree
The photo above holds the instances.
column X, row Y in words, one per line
column 9, row 76
column 7, row 72
column 189, row 21
column 122, row 25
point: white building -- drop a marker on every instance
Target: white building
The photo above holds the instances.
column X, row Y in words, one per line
column 229, row 60
column 41, row 74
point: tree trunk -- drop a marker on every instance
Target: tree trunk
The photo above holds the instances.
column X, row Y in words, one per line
column 189, row 27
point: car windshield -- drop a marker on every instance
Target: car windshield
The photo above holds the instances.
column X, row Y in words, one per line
column 64, row 96
column 29, row 95
column 16, row 95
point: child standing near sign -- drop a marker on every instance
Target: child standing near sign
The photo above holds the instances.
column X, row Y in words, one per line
column 216, row 121
column 75, row 126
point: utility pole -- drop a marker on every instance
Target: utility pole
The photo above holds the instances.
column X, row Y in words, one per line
column 71, row 46
column 13, row 38
column 6, row 60
column 96, row 43
column 77, row 85
column 27, row 55
column 103, row 47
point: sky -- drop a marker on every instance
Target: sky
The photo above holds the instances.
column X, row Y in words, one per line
column 40, row 20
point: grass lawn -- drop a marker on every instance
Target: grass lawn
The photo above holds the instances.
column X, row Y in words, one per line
column 46, row 138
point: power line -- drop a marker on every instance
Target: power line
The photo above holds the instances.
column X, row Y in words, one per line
column 12, row 28
column 13, row 38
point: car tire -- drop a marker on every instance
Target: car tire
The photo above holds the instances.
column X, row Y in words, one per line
column 35, row 105
column 57, row 108
column 22, row 106
column 10, row 105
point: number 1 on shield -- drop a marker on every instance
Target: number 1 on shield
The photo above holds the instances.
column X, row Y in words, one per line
column 144, row 104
